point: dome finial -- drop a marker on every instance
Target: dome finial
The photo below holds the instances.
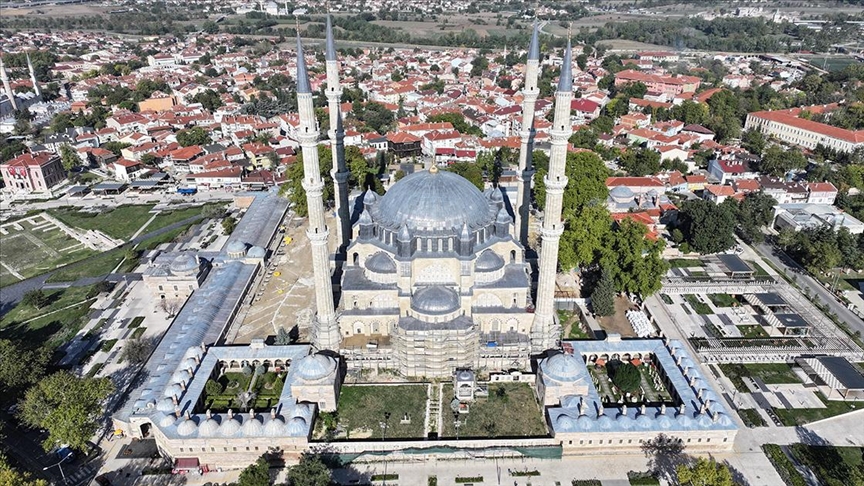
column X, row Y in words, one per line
column 433, row 169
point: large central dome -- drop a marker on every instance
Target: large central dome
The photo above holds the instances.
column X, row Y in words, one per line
column 433, row 200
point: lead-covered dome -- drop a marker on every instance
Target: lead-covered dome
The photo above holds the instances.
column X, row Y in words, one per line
column 380, row 262
column 435, row 300
column 488, row 261
column 562, row 367
column 315, row 366
column 433, row 200
column 183, row 264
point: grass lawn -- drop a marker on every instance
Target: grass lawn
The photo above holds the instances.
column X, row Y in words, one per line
column 168, row 236
column 568, row 318
column 108, row 345
column 51, row 329
column 121, row 222
column 361, row 409
column 685, row 263
column 803, row 416
column 770, row 373
column 723, row 300
column 101, row 264
column 760, row 272
column 136, row 322
column 752, row 331
column 32, row 252
column 167, row 218
column 138, row 332
column 751, row 417
column 268, row 388
column 698, row 306
column 510, row 411
column 784, row 466
column 832, row 465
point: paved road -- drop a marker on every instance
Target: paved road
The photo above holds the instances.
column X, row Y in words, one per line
column 782, row 261
column 11, row 295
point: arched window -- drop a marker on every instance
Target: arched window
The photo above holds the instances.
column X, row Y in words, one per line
column 356, row 258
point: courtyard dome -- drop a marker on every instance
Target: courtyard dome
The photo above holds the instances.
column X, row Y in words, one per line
column 704, row 420
column 723, row 419
column 488, row 261
column 664, row 422
column 275, row 427
column 165, row 405
column 380, row 262
column 303, row 410
column 209, row 428
column 297, row 426
column 684, row 420
column 644, row 422
column 229, row 428
column 585, row 423
column 236, row 247
column 624, row 421
column 315, row 366
column 435, row 300
column 252, row 427
column 183, row 264
column 173, row 391
column 433, row 200
column 604, row 422
column 167, row 420
column 562, row 367
column 187, row 427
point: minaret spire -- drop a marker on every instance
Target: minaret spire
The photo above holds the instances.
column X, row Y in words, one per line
column 526, row 170
column 33, row 79
column 7, row 87
column 325, row 333
column 546, row 330
column 336, row 134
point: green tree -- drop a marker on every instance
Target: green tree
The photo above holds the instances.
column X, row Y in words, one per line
column 115, row 147
column 777, row 162
column 292, row 188
column 633, row 259
column 228, row 225
column 639, row 162
column 67, row 407
column 21, row 367
column 68, row 157
column 257, row 474
column 458, row 121
column 707, row 227
column 12, row 477
column 625, row 376
column 603, row 297
column 704, row 472
column 149, row 160
column 136, row 350
column 209, row 99
column 755, row 211
column 193, row 136
column 212, row 388
column 61, row 122
column 753, row 141
column 470, row 171
column 310, row 471
column 35, row 298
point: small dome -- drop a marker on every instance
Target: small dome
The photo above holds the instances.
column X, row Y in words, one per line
column 304, row 410
column 664, row 422
column 365, row 218
column 209, row 428
column 684, row 421
column 488, row 261
column 297, row 426
column 184, row 263
column 236, row 246
column 435, row 299
column 167, row 421
column 704, row 420
column 229, row 428
column 380, row 262
column 621, row 194
column 604, row 422
column 585, row 423
column 190, row 363
column 562, row 367
column 173, row 391
column 187, row 427
column 723, row 419
column 181, row 375
column 465, row 375
column 570, row 401
column 370, row 197
column 252, row 427
column 165, row 405
column 256, row 252
column 565, row 422
column 275, row 427
column 624, row 421
column 193, row 352
column 643, row 422
column 495, row 195
column 315, row 366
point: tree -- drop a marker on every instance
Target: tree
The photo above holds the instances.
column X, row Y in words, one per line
column 707, row 227
column 753, row 141
column 283, row 337
column 228, row 225
column 193, row 136
column 778, row 162
column 704, row 472
column 68, row 157
column 633, row 259
column 116, row 147
column 755, row 211
column 625, row 376
column 639, row 162
column 458, row 121
column 67, row 407
column 21, row 367
column 12, row 477
column 470, row 171
column 209, row 99
column 61, row 122
column 603, row 297
column 212, row 388
column 310, row 471
column 136, row 350
column 257, row 474
column 292, row 188
column 35, row 298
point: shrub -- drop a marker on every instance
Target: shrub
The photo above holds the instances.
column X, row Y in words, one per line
column 625, row 376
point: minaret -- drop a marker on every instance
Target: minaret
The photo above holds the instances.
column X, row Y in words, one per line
column 325, row 332
column 526, row 169
column 36, row 87
column 7, row 87
column 545, row 330
column 336, row 134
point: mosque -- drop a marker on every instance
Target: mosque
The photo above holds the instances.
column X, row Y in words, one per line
column 434, row 273
column 10, row 101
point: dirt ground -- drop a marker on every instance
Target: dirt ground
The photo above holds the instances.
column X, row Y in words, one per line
column 618, row 322
column 76, row 10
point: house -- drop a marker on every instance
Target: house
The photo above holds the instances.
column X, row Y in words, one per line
column 802, row 215
column 717, row 193
column 585, row 109
column 435, row 140
column 223, row 178
column 725, row 170
column 698, row 130
column 696, row 182
column 32, row 172
column 821, row 193
column 672, row 85
column 181, row 157
column 671, row 152
column 784, row 192
column 125, row 170
column 404, row 144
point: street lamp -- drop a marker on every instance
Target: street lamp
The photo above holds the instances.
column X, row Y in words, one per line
column 456, row 424
column 59, row 465
column 383, row 425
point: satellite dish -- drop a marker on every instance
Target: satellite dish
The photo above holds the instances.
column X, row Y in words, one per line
column 299, row 11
